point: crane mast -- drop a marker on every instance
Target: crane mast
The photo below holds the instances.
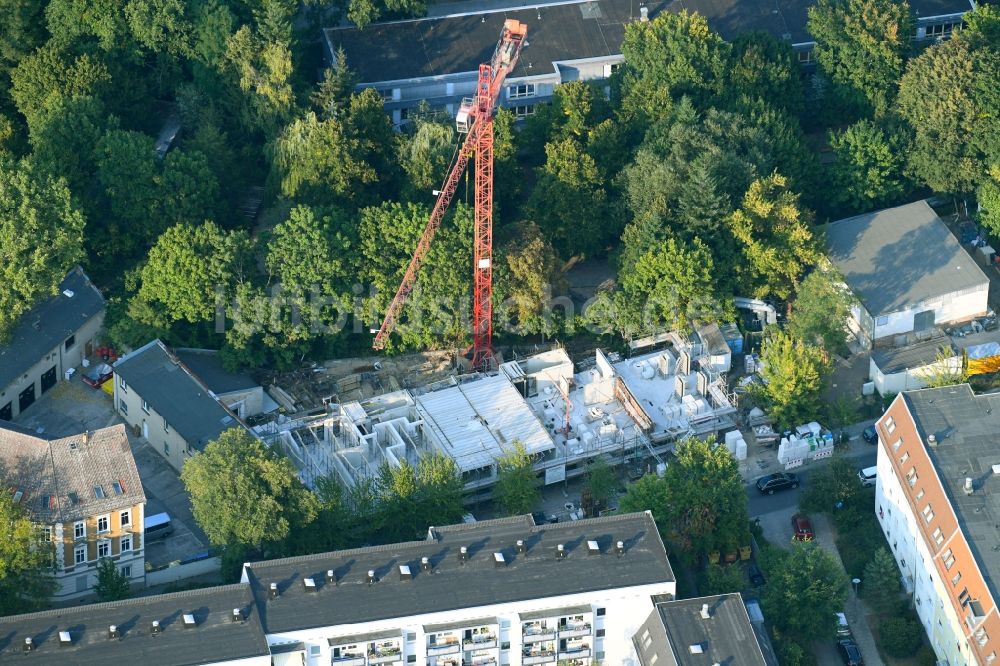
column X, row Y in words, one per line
column 475, row 120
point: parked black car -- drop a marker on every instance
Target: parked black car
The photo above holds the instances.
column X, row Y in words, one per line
column 772, row 483
column 869, row 435
column 849, row 653
column 756, row 577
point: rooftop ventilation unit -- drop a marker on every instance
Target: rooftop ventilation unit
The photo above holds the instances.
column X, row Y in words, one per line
column 309, row 584
column 463, row 555
column 593, row 547
column 154, row 628
column 189, row 621
column 65, row 640
column 29, row 645
column 371, row 577
column 331, row 577
column 425, row 564
column 237, row 615
column 931, row 440
column 113, row 634
column 968, row 485
column 404, row 572
column 644, row 14
column 499, row 561
column 996, row 469
column 521, row 547
column 272, row 591
column 620, row 548
column 696, row 648
column 705, row 615
column 560, row 552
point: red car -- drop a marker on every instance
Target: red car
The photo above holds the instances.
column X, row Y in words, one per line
column 802, row 528
column 98, row 375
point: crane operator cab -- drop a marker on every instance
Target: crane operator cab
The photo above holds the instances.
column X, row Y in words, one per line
column 464, row 117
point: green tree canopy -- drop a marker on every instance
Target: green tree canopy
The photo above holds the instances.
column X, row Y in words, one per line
column 805, row 588
column 820, row 310
column 516, row 490
column 25, row 561
column 49, row 74
column 794, row 374
column 764, row 68
column 112, row 584
column 862, row 45
column 426, row 155
column 869, row 170
column 989, row 200
column 41, row 238
column 775, row 233
column 881, row 583
column 243, row 493
column 530, row 273
column 836, row 481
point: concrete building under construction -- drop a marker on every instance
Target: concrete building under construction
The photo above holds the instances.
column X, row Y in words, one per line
column 629, row 411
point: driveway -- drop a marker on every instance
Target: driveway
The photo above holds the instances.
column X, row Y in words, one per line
column 71, row 407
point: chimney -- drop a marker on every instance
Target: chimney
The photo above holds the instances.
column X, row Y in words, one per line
column 113, row 633
column 371, row 577
column 273, row 591
column 560, row 552
column 498, row 560
column 593, row 548
column 931, row 440
column 521, row 548
column 620, row 548
column 968, row 485
column 29, row 645
column 425, row 564
column 155, row 627
column 463, row 555
column 86, row 437
column 237, row 615
column 331, row 577
column 404, row 572
column 309, row 584
column 643, row 13
column 705, row 615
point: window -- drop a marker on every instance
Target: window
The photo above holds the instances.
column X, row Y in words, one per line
column 898, row 443
column 127, row 570
column 123, row 407
column 522, row 90
column 911, row 476
column 938, row 536
column 314, row 650
column 806, row 57
column 958, row 577
column 647, row 640
column 600, row 612
column 654, row 658
column 890, row 425
column 79, row 529
column 145, row 406
column 70, row 341
column 122, row 384
column 103, row 524
column 411, row 659
column 80, row 554
column 166, row 426
column 928, row 513
column 118, row 487
column 411, row 636
column 124, row 518
column 505, row 645
column 103, row 548
column 524, row 111
column 941, row 30
column 99, row 492
column 125, row 544
column 920, row 495
column 166, row 449
column 600, row 633
column 948, row 558
column 904, row 458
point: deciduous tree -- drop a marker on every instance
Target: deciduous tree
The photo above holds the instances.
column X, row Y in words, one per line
column 50, row 73
column 112, row 584
column 869, row 171
column 794, row 374
column 516, row 490
column 25, row 561
column 820, row 310
column 881, row 583
column 244, row 493
column 533, row 273
column 805, row 588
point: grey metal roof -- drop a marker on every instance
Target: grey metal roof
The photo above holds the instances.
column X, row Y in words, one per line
column 890, row 360
column 49, row 324
column 966, row 426
column 554, row 612
column 207, row 367
column 726, row 637
column 451, row 584
column 567, row 31
column 216, row 638
column 899, row 257
column 58, row 478
column 175, row 394
column 364, row 638
column 458, row 624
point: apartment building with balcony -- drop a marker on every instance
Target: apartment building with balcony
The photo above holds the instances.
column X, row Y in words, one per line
column 84, row 493
column 938, row 503
column 494, row 592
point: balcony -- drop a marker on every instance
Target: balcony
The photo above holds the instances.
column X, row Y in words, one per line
column 541, row 657
column 480, row 661
column 574, row 630
column 385, row 657
column 479, row 643
column 533, row 633
column 575, row 652
column 447, row 648
column 349, row 660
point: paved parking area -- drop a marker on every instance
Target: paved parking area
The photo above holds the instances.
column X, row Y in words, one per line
column 70, row 407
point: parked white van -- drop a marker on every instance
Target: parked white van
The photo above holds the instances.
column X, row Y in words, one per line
column 868, row 475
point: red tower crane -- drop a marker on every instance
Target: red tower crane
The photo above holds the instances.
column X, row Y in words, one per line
column 475, row 120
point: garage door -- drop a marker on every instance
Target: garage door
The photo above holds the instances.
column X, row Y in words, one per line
column 6, row 412
column 49, row 379
column 26, row 398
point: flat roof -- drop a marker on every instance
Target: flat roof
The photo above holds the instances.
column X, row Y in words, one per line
column 176, row 394
column 475, row 421
column 59, row 478
column 900, row 257
column 566, row 31
column 966, row 426
column 207, row 366
column 49, row 324
column 677, row 629
column 890, row 360
column 215, row 638
column 451, row 584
